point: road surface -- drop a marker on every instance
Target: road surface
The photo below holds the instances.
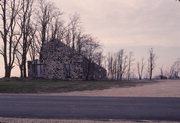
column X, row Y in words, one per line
column 91, row 108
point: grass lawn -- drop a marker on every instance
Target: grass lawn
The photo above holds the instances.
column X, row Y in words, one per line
column 57, row 86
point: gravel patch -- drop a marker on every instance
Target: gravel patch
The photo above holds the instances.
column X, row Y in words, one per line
column 165, row 88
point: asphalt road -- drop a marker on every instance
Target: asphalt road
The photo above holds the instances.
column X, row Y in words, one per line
column 91, row 108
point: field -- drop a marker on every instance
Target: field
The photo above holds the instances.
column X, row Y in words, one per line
column 55, row 86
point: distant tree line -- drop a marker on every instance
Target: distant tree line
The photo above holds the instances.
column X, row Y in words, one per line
column 123, row 66
column 120, row 65
column 26, row 25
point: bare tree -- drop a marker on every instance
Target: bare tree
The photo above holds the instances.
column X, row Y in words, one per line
column 110, row 65
column 27, row 35
column 117, row 65
column 46, row 13
column 74, row 36
column 121, row 64
column 33, row 49
column 175, row 70
column 81, row 41
column 162, row 75
column 130, row 64
column 57, row 29
column 140, row 68
column 74, row 29
column 9, row 10
column 98, row 58
column 151, row 63
column 89, row 49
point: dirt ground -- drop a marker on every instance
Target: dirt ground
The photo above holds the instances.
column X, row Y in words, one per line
column 165, row 88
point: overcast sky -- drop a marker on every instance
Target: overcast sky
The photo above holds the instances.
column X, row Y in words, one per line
column 134, row 25
column 128, row 22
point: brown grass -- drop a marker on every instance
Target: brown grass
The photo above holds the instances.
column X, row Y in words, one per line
column 57, row 86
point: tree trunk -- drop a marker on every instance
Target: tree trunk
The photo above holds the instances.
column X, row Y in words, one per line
column 23, row 66
column 25, row 74
column 6, row 67
column 150, row 76
column 7, row 72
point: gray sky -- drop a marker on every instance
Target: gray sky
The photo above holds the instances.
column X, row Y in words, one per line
column 128, row 22
column 134, row 25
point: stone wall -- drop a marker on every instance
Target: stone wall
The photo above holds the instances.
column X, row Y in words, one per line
column 62, row 62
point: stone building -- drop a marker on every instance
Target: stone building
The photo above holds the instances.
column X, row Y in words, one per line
column 62, row 62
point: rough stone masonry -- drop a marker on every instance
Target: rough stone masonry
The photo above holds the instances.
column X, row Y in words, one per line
column 62, row 62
